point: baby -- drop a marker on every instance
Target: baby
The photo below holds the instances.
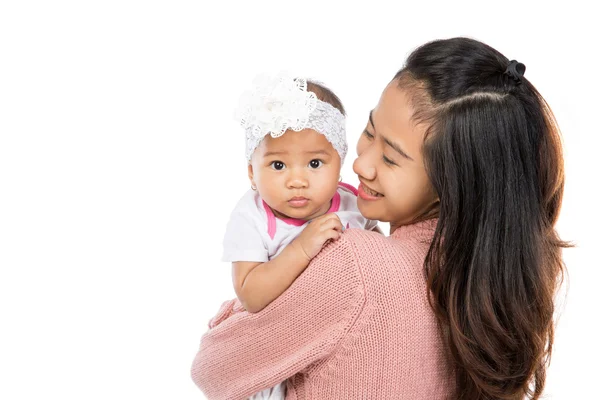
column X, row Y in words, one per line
column 295, row 147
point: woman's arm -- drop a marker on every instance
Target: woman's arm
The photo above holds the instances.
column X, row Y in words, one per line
column 244, row 353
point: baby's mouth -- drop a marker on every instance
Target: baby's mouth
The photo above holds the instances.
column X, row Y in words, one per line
column 298, row 201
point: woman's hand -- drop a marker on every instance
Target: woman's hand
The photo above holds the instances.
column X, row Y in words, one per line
column 318, row 232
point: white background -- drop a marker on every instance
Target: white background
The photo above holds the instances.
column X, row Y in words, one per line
column 120, row 162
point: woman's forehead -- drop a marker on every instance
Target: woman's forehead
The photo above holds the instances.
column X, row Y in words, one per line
column 393, row 110
column 393, row 119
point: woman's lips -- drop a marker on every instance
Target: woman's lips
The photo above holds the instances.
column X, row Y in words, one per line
column 366, row 193
column 298, row 202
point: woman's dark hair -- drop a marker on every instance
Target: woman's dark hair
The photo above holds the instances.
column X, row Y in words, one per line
column 493, row 154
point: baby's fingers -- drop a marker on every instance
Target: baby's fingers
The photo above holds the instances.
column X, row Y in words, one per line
column 333, row 223
column 332, row 234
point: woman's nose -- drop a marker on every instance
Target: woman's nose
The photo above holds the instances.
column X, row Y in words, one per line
column 364, row 166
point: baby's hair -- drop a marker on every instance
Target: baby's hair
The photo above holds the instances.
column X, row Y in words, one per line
column 325, row 94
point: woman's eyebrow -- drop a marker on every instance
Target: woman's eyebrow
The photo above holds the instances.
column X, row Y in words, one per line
column 396, row 147
column 389, row 142
column 371, row 119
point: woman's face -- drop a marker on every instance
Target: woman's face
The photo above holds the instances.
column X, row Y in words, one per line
column 394, row 186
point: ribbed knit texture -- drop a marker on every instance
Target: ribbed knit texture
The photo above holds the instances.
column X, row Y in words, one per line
column 355, row 325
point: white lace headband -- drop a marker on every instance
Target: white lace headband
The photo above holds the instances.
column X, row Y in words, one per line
column 276, row 104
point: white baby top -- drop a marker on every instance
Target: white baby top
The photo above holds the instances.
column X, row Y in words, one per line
column 255, row 234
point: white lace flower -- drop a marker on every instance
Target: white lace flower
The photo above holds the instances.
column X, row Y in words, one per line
column 276, row 105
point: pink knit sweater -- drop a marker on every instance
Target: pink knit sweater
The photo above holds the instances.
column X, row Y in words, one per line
column 355, row 325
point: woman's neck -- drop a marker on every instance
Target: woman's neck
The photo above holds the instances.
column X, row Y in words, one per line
column 432, row 212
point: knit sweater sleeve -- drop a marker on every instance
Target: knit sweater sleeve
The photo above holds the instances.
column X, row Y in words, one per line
column 244, row 353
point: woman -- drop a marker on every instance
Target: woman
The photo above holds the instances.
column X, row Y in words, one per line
column 462, row 157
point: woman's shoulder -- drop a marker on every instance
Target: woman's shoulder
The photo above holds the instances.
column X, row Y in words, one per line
column 405, row 238
column 406, row 248
column 364, row 240
column 360, row 257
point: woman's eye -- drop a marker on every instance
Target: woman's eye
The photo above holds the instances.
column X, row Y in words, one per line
column 315, row 163
column 368, row 135
column 388, row 161
column 277, row 165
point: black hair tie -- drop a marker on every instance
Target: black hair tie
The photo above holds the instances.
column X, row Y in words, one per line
column 515, row 70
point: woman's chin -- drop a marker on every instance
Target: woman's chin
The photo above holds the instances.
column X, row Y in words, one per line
column 368, row 211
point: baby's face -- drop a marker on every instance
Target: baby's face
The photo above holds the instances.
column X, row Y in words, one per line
column 296, row 174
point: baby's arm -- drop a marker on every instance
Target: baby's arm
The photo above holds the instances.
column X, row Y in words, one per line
column 258, row 284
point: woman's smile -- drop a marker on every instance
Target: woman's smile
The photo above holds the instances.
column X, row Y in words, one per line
column 366, row 193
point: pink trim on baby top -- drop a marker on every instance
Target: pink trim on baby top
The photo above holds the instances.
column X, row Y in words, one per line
column 353, row 190
column 349, row 187
column 272, row 222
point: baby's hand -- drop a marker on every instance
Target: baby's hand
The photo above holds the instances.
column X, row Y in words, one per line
column 317, row 233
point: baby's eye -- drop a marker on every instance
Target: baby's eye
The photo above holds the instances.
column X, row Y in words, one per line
column 277, row 165
column 368, row 135
column 315, row 163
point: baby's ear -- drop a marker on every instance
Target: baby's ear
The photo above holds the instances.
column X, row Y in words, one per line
column 250, row 174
